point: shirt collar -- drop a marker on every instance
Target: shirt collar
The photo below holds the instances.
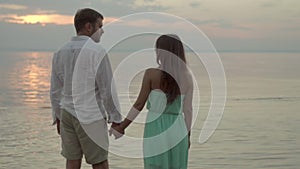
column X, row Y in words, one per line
column 80, row 38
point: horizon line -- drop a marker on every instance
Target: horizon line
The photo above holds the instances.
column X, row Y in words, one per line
column 188, row 51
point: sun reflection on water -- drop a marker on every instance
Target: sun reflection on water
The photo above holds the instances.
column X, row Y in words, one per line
column 30, row 79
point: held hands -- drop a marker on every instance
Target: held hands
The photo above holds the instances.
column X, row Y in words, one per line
column 117, row 130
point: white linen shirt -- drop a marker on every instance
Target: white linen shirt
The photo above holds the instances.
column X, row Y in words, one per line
column 82, row 82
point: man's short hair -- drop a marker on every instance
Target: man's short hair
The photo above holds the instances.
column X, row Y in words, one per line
column 84, row 16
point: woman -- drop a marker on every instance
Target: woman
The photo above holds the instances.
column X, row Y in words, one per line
column 169, row 91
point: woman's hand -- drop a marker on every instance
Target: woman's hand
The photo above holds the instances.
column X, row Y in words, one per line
column 116, row 130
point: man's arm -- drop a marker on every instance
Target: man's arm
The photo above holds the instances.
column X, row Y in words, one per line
column 55, row 92
column 106, row 85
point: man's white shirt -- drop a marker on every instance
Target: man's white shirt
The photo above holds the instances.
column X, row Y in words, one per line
column 82, row 82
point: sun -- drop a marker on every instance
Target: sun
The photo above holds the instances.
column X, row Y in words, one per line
column 34, row 19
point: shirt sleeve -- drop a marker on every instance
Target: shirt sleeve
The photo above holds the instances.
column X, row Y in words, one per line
column 55, row 91
column 107, row 89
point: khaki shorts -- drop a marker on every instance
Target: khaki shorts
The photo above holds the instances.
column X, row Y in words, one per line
column 75, row 141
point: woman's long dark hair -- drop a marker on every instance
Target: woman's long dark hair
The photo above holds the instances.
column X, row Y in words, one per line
column 171, row 44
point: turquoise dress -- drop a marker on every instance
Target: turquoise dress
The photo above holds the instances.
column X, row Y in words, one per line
column 165, row 134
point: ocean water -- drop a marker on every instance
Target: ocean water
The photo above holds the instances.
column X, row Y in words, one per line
column 260, row 127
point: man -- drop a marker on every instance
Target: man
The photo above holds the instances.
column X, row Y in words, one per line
column 82, row 95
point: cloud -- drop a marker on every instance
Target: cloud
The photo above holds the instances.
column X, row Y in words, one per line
column 267, row 5
column 222, row 23
column 239, row 20
column 43, row 19
column 147, row 3
column 195, row 4
column 12, row 6
column 151, row 5
column 152, row 23
column 105, row 7
column 272, row 3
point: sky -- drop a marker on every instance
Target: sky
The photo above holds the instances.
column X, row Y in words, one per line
column 231, row 25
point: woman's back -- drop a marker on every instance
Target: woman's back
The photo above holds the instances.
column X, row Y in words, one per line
column 165, row 133
column 157, row 103
column 184, row 81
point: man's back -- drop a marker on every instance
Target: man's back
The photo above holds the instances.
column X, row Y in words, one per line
column 64, row 61
column 78, row 59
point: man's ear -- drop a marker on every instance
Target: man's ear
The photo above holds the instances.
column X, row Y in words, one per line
column 88, row 27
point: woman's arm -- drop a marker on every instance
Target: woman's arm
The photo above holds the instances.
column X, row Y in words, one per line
column 187, row 105
column 139, row 103
column 188, row 108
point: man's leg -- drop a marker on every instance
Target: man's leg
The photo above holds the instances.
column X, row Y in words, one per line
column 102, row 165
column 95, row 145
column 73, row 164
column 71, row 148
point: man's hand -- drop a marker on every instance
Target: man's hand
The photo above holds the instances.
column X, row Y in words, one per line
column 116, row 130
column 58, row 126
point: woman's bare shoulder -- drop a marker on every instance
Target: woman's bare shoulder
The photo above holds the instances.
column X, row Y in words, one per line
column 152, row 72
